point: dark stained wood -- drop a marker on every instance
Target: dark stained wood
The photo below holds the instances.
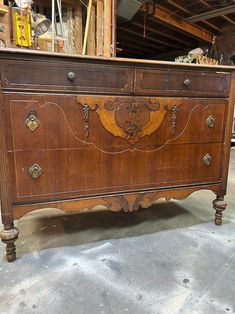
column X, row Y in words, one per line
column 200, row 83
column 219, row 205
column 88, row 170
column 117, row 133
column 64, row 125
column 9, row 234
column 71, row 77
column 126, row 202
column 228, row 131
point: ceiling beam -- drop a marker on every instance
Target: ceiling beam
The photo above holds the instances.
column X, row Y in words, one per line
column 229, row 20
column 175, row 22
column 136, row 41
column 211, row 8
column 149, row 38
column 130, row 47
column 156, row 31
column 214, row 13
column 190, row 13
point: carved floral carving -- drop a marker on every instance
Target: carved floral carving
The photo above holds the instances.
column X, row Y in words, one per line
column 128, row 118
column 127, row 203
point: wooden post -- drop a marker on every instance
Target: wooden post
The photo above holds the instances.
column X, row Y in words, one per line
column 107, row 27
column 99, row 28
column 91, row 46
column 53, row 26
column 70, row 31
column 78, row 28
column 114, row 27
column 88, row 18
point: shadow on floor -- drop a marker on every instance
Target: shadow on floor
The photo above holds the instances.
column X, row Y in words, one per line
column 52, row 228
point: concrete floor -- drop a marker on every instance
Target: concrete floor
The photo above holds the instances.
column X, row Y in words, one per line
column 169, row 258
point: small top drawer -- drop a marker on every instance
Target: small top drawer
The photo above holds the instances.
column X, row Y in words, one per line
column 77, row 77
column 181, row 82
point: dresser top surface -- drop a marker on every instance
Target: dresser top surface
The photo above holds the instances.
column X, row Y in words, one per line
column 24, row 53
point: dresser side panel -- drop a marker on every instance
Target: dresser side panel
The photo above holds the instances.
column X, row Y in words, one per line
column 5, row 177
column 228, row 134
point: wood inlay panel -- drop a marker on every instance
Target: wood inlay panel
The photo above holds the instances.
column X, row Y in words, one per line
column 181, row 121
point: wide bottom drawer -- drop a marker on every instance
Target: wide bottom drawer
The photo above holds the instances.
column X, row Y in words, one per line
column 56, row 174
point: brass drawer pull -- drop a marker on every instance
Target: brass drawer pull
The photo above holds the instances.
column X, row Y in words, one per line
column 187, row 82
column 207, row 159
column 71, row 76
column 210, row 122
column 35, row 171
column 32, row 121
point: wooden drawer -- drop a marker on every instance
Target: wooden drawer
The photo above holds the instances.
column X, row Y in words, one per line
column 181, row 83
column 64, row 122
column 67, row 77
column 84, row 172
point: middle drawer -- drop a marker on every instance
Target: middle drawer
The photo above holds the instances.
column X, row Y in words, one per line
column 112, row 123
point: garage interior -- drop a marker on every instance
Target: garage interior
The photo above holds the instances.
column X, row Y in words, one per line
column 166, row 259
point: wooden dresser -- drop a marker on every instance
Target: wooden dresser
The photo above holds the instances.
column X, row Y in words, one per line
column 79, row 132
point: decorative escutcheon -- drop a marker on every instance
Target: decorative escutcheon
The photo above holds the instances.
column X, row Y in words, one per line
column 35, row 171
column 207, row 159
column 32, row 121
column 210, row 122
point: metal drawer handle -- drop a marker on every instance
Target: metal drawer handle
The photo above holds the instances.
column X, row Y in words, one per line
column 71, row 76
column 35, row 171
column 187, row 82
column 32, row 121
column 210, row 121
column 207, row 159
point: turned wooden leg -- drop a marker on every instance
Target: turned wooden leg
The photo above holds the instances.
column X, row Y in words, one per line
column 219, row 205
column 8, row 236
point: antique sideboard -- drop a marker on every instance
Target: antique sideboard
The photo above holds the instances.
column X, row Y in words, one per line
column 77, row 132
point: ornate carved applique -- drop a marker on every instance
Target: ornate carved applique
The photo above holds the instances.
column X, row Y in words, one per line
column 86, row 110
column 132, row 116
column 175, row 110
column 130, row 119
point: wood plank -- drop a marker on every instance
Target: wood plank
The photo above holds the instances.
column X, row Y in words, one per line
column 190, row 14
column 158, row 32
column 87, row 27
column 99, row 28
column 107, row 27
column 91, row 42
column 78, row 28
column 212, row 14
column 153, row 39
column 173, row 21
column 211, row 8
column 70, row 30
column 123, row 38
